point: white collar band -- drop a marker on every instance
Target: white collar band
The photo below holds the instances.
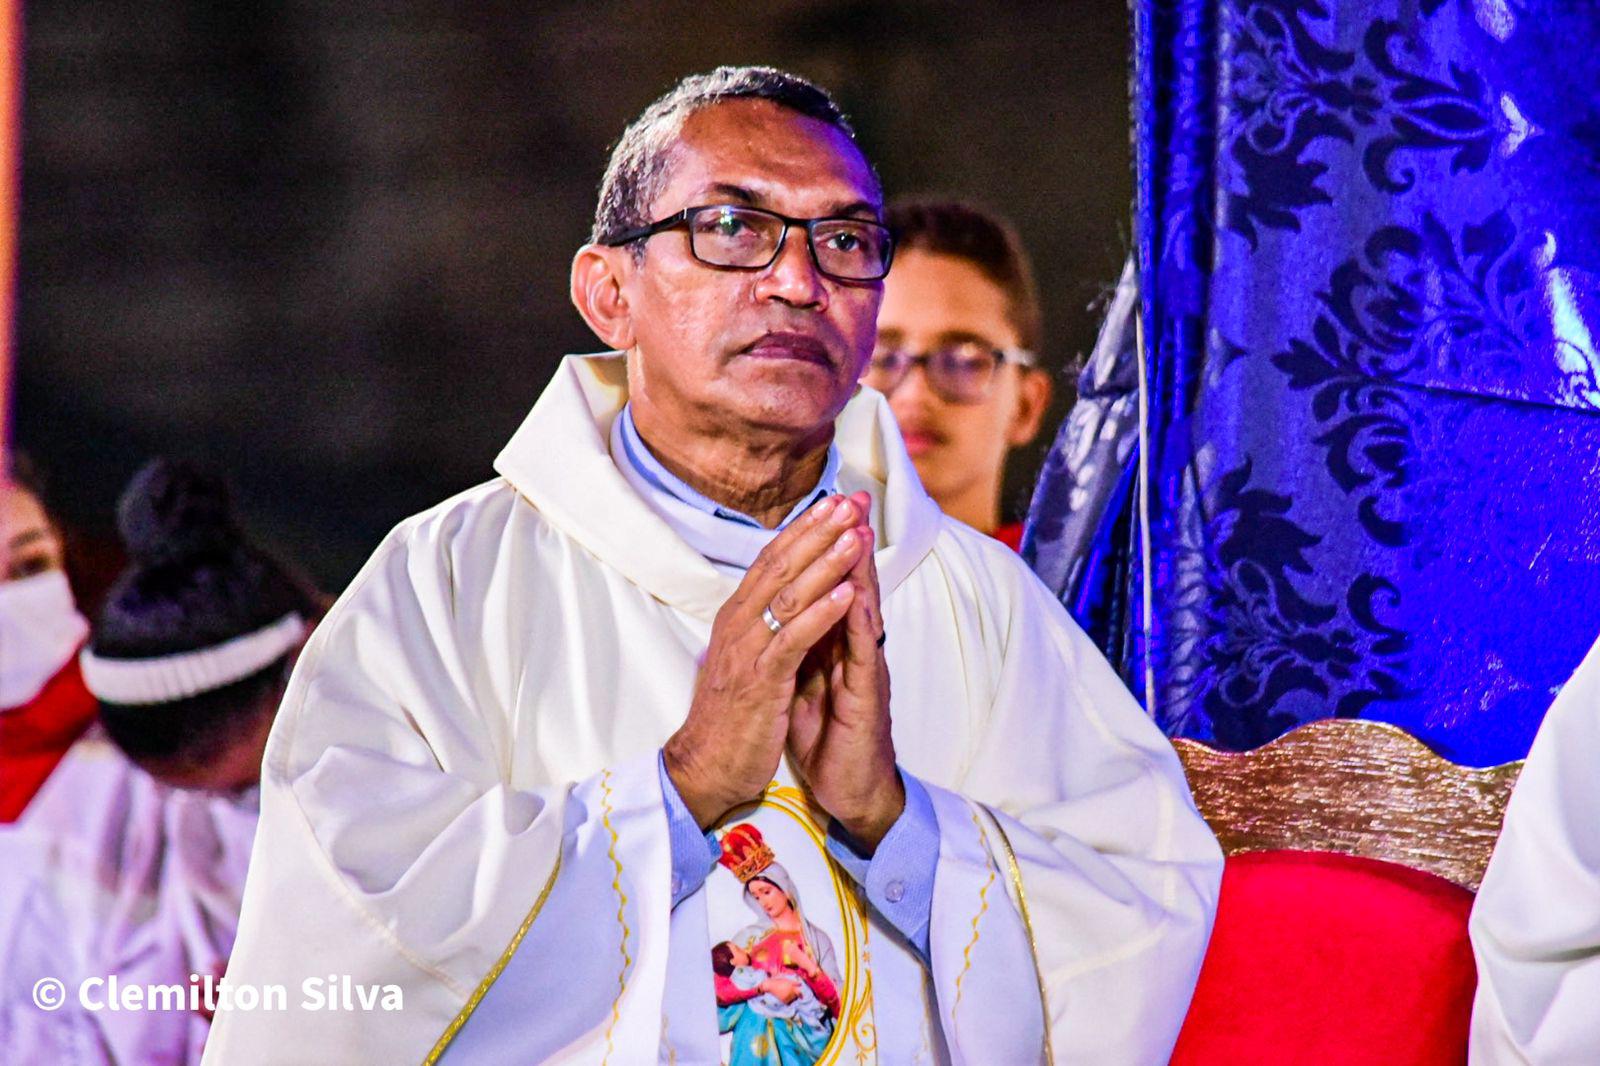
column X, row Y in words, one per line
column 166, row 678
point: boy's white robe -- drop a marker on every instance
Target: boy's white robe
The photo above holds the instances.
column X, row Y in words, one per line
column 463, row 781
column 110, row 873
column 1536, row 922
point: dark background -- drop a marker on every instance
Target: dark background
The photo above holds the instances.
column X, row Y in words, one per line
column 325, row 246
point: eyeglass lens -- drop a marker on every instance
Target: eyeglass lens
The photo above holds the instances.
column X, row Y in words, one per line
column 960, row 373
column 748, row 237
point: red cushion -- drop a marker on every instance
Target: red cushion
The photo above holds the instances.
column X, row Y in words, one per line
column 1322, row 958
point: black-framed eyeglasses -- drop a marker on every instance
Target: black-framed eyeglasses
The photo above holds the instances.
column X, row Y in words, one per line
column 750, row 238
column 963, row 372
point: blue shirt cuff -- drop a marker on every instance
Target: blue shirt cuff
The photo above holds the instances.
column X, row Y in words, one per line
column 898, row 877
column 694, row 853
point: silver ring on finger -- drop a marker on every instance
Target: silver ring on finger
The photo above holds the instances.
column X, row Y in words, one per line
column 771, row 619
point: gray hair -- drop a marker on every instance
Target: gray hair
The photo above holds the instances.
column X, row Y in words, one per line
column 639, row 164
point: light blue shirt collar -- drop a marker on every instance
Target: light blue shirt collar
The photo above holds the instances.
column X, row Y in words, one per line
column 729, row 539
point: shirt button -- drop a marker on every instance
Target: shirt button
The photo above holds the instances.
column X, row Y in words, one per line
column 894, row 891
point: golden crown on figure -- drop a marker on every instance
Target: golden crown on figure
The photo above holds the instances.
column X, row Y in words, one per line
column 745, row 852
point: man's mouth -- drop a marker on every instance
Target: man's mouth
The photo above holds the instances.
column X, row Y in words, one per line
column 787, row 345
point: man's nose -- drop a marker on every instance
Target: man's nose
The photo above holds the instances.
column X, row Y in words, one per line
column 793, row 277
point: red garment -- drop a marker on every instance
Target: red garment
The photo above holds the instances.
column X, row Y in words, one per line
column 35, row 736
column 1010, row 535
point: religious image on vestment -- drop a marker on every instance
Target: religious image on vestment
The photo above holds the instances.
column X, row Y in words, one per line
column 788, row 939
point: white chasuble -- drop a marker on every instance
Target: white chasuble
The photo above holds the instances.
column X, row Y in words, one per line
column 1536, row 922
column 461, row 799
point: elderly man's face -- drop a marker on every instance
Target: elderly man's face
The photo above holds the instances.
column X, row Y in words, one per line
column 779, row 349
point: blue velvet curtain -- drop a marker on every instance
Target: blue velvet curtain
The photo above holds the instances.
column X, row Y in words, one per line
column 1367, row 268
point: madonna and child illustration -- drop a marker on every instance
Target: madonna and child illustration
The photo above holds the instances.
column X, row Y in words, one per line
column 780, row 996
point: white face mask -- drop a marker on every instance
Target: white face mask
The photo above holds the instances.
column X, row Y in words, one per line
column 40, row 629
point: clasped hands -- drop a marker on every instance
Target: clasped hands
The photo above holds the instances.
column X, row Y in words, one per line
column 818, row 686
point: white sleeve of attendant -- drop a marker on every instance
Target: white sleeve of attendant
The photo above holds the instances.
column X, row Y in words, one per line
column 392, row 851
column 1536, row 922
column 1073, row 842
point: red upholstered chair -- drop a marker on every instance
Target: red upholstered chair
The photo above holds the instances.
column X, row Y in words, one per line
column 1341, row 935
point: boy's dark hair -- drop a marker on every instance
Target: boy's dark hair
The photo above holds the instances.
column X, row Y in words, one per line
column 722, row 959
column 984, row 239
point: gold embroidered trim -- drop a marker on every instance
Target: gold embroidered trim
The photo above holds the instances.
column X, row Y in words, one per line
column 983, row 908
column 494, row 971
column 622, row 910
column 666, row 1042
column 1015, row 872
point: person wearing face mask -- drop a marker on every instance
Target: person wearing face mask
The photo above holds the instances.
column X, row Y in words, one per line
column 131, row 860
column 44, row 706
column 957, row 354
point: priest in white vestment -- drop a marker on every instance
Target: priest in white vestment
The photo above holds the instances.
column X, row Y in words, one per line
column 596, row 762
column 1536, row 922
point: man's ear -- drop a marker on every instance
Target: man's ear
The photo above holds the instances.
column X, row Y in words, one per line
column 1033, row 399
column 598, row 272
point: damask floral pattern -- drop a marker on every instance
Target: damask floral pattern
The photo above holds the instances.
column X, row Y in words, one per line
column 1287, row 95
column 1369, row 264
column 1268, row 640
